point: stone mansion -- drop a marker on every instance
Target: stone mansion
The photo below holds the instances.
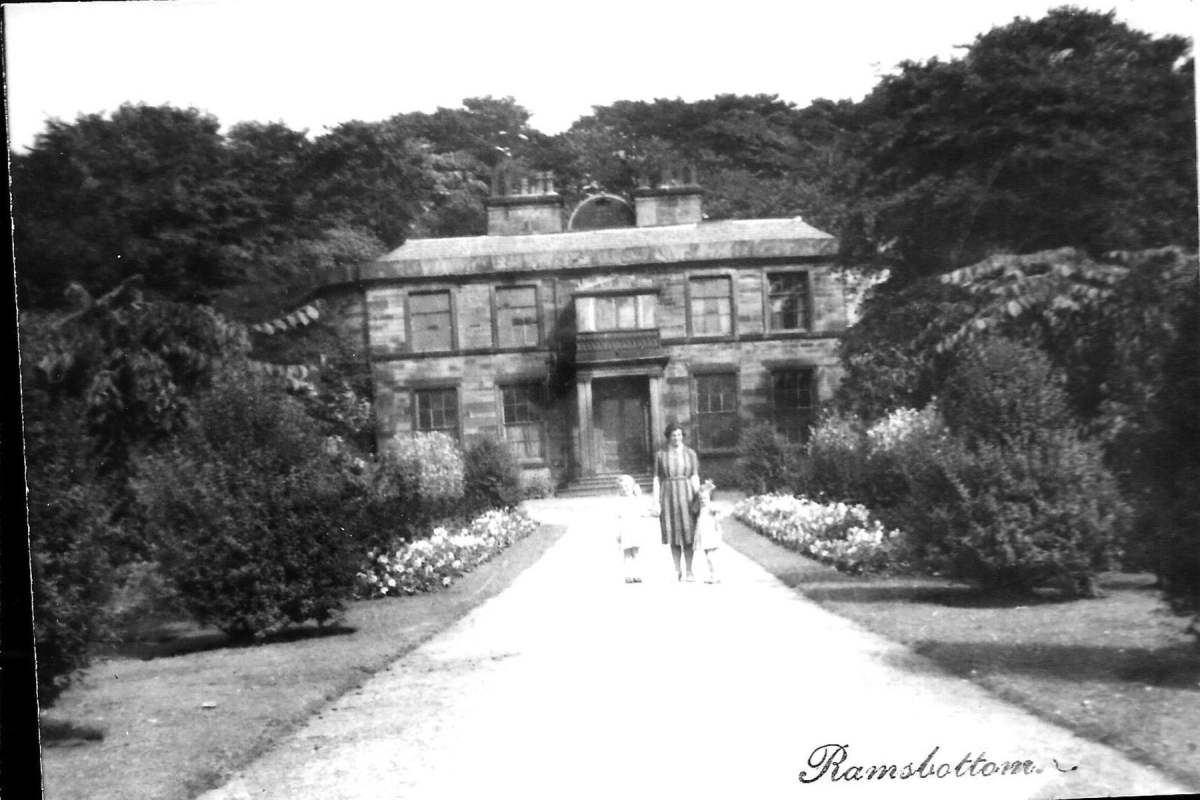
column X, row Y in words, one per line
column 576, row 337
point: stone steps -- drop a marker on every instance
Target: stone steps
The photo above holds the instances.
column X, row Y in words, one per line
column 602, row 486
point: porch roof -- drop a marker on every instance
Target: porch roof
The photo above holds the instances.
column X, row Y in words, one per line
column 610, row 247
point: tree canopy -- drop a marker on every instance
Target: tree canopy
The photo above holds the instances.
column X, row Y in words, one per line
column 1072, row 130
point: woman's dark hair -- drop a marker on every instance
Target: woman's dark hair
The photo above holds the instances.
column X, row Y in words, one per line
column 671, row 429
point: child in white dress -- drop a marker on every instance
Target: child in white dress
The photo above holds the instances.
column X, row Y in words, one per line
column 708, row 529
column 632, row 525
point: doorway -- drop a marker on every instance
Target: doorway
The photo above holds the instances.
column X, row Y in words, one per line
column 621, row 423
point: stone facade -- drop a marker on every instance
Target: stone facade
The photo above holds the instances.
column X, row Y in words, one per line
column 579, row 346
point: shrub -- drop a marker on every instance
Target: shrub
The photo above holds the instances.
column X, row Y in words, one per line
column 491, row 476
column 899, row 446
column 68, row 507
column 1016, row 518
column 853, row 462
column 1169, row 477
column 426, row 468
column 247, row 510
column 837, row 455
column 536, row 487
column 765, row 462
column 1005, row 393
column 1013, row 497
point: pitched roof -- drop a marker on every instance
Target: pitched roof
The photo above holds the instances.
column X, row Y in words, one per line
column 611, row 247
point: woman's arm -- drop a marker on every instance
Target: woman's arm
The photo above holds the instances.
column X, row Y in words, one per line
column 657, row 503
column 695, row 476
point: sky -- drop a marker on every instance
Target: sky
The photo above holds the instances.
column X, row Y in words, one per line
column 313, row 65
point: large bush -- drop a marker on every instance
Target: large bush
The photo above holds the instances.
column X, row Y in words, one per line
column 1013, row 498
column 765, row 462
column 837, row 454
column 68, row 535
column 1169, row 479
column 1005, row 393
column 248, row 514
column 854, row 462
column 420, row 478
column 491, row 476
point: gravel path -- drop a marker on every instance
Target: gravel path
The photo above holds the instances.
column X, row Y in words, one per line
column 572, row 684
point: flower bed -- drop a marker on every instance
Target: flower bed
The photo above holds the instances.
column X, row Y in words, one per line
column 844, row 536
column 431, row 564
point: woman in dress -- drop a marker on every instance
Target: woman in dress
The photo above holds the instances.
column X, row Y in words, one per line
column 676, row 482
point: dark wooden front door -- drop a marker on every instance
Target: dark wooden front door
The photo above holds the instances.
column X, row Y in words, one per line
column 621, row 416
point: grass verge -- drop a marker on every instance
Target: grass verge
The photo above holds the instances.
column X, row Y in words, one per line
column 1118, row 669
column 180, row 713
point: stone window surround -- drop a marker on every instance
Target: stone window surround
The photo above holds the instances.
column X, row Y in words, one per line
column 424, row 387
column 539, row 387
column 537, row 306
column 806, row 312
column 704, row 371
column 729, row 275
column 432, row 289
column 777, row 370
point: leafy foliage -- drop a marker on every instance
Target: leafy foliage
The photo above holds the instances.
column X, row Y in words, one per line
column 1014, row 498
column 1071, row 130
column 887, row 357
column 247, row 508
column 134, row 364
column 68, row 542
column 1005, row 394
column 1163, row 470
column 765, row 462
column 145, row 192
column 1048, row 513
column 491, row 476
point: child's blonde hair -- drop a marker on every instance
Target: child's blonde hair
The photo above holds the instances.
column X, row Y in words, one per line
column 628, row 486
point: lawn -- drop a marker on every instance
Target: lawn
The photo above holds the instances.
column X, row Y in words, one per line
column 181, row 711
column 1115, row 669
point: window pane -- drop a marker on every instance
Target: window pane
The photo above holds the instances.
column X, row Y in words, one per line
column 712, row 309
column 516, row 312
column 620, row 312
column 430, row 303
column 710, row 287
column 791, row 398
column 716, row 411
column 437, row 410
column 523, row 419
column 523, row 297
column 430, row 321
column 788, row 300
column 646, row 303
column 626, row 313
column 606, row 314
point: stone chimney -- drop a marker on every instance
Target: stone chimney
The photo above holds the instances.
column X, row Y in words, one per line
column 523, row 202
column 669, row 198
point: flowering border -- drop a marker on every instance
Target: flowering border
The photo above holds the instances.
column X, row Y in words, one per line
column 844, row 536
column 431, row 564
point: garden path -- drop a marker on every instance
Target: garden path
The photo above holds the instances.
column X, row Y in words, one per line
column 572, row 684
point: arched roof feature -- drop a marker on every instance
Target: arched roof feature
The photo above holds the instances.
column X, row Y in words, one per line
column 602, row 211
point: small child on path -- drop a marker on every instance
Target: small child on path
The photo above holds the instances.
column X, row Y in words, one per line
column 632, row 525
column 708, row 529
